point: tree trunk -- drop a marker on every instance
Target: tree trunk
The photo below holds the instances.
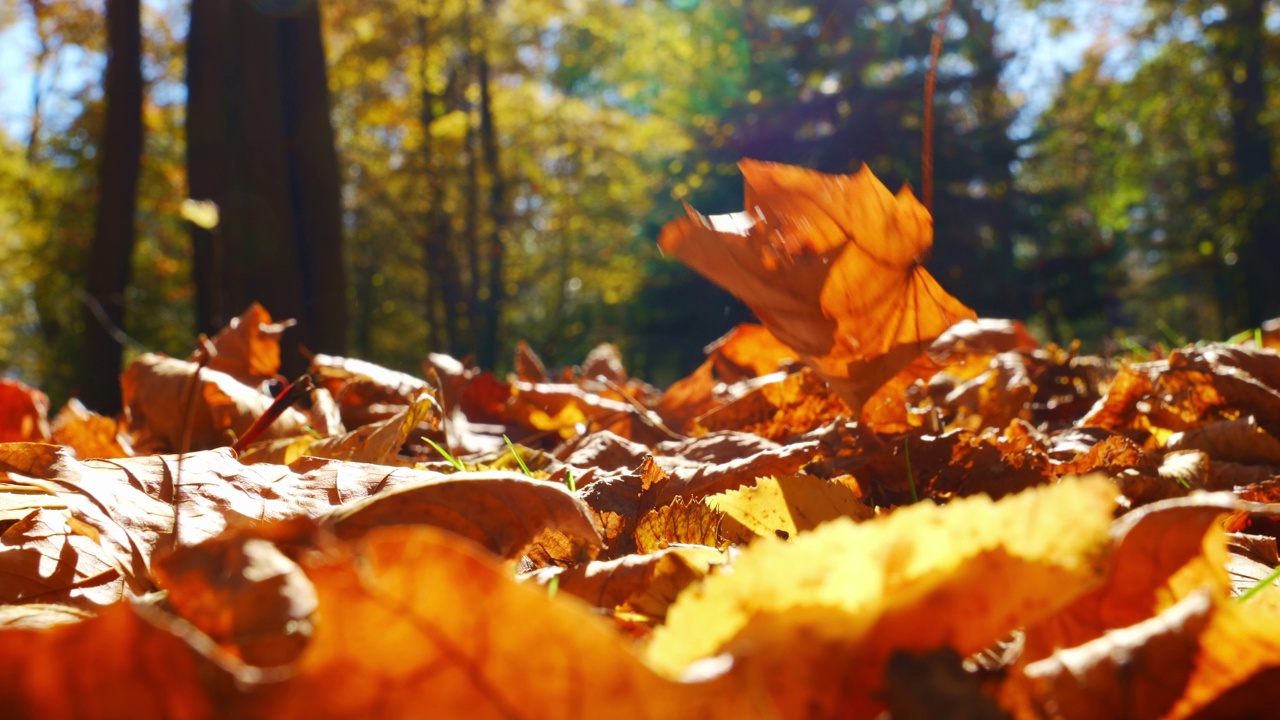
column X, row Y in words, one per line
column 1242, row 45
column 260, row 144
column 487, row 352
column 111, row 254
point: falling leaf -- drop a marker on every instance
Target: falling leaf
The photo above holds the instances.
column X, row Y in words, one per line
column 831, row 264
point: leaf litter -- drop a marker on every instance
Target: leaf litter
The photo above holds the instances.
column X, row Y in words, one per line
column 870, row 505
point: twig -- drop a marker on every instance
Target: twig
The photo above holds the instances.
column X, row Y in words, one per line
column 930, row 85
column 287, row 397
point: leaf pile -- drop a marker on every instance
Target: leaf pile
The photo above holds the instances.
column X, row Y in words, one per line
column 990, row 529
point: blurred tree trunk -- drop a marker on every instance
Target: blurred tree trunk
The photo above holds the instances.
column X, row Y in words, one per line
column 1241, row 45
column 487, row 351
column 260, row 145
column 111, row 255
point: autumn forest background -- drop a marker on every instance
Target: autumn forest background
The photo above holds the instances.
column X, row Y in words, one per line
column 407, row 176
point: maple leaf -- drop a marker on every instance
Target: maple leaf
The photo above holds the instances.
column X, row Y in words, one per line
column 831, row 264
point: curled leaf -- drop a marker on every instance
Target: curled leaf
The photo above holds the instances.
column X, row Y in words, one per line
column 831, row 264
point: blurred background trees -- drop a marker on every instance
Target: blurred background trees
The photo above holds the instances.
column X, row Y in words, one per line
column 498, row 170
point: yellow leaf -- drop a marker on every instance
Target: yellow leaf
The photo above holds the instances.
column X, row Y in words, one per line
column 814, row 619
column 786, row 505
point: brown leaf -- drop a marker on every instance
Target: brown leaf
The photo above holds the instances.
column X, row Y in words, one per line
column 365, row 392
column 160, row 403
column 124, row 520
column 1135, row 672
column 689, row 398
column 645, row 584
column 983, row 336
column 43, row 560
column 24, row 413
column 698, row 481
column 1164, row 552
column 244, row 594
column 91, row 435
column 443, row 609
column 690, row 522
column 749, row 350
column 528, row 366
column 248, row 348
column 115, row 665
column 379, row 442
column 1239, row 440
column 504, row 512
column 1203, row 657
column 778, row 407
column 831, row 265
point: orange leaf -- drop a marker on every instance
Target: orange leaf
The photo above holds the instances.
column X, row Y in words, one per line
column 831, row 264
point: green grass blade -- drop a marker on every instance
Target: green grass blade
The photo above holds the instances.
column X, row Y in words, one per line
column 1275, row 575
column 519, row 459
column 568, row 480
column 455, row 462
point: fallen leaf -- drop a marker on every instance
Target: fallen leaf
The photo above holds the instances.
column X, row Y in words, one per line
column 161, row 405
column 248, row 348
column 91, row 435
column 786, row 505
column 365, row 392
column 814, row 619
column 24, row 413
column 244, row 594
column 1163, row 553
column 504, row 512
column 645, row 584
column 441, row 608
column 43, row 560
column 831, row 264
column 379, row 442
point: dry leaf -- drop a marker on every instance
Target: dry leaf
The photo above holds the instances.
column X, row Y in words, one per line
column 442, row 609
column 1164, row 552
column 43, row 560
column 645, row 584
column 248, row 348
column 24, row 413
column 786, row 505
column 504, row 512
column 831, row 264
column 379, row 442
column 91, row 435
column 244, row 594
column 160, row 403
column 815, row 619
